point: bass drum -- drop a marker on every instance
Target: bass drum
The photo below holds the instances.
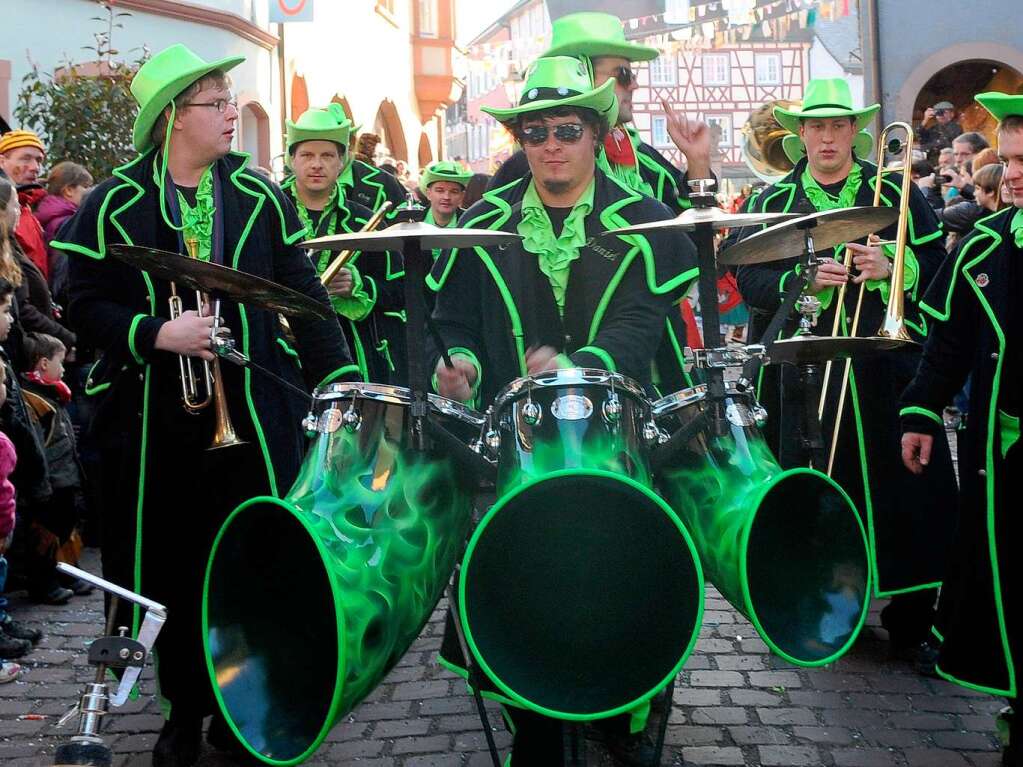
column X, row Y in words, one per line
column 310, row 600
column 580, row 593
column 786, row 548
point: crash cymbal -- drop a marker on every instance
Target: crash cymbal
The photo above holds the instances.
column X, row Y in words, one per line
column 221, row 281
column 715, row 217
column 829, row 228
column 395, row 236
column 815, row 349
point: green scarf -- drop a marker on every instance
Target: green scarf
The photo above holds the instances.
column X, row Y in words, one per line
column 324, row 257
column 555, row 254
column 196, row 222
column 1016, row 227
column 822, row 201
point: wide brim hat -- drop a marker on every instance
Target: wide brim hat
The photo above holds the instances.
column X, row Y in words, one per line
column 795, row 150
column 594, row 34
column 161, row 79
column 443, row 170
column 330, row 124
column 824, row 98
column 560, row 81
column 1001, row 105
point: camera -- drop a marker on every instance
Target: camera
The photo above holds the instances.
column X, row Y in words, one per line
column 942, row 178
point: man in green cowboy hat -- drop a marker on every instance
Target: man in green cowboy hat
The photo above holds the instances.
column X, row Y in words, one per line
column 562, row 296
column 164, row 495
column 598, row 39
column 911, row 522
column 367, row 292
column 443, row 184
column 977, row 334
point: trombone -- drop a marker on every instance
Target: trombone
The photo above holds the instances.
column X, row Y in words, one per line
column 893, row 326
column 201, row 388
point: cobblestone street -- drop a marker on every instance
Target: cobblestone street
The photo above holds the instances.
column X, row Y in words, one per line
column 734, row 705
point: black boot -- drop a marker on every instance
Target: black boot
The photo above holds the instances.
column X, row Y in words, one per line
column 178, row 744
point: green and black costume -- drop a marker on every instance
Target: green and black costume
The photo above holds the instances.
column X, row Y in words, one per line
column 164, row 494
column 977, row 332
column 371, row 187
column 910, row 522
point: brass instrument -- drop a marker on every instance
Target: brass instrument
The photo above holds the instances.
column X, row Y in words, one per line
column 894, row 326
column 199, row 390
column 762, row 142
column 344, row 256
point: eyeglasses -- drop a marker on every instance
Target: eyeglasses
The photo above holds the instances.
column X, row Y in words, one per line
column 220, row 105
column 566, row 133
column 624, row 76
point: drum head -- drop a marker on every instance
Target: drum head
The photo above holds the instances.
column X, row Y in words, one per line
column 581, row 595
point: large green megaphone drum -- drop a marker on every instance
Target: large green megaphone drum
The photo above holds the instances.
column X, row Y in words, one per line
column 580, row 594
column 309, row 601
column 786, row 548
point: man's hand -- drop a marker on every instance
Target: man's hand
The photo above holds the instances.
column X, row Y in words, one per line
column 960, row 179
column 342, row 284
column 188, row 335
column 830, row 274
column 543, row 358
column 457, row 381
column 870, row 261
column 916, row 451
column 928, row 116
column 692, row 137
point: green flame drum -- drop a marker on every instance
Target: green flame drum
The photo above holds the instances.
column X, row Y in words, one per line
column 786, row 548
column 309, row 601
column 580, row 594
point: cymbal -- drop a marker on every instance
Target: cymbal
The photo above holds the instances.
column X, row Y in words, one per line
column 688, row 220
column 241, row 287
column 813, row 349
column 395, row 236
column 831, row 228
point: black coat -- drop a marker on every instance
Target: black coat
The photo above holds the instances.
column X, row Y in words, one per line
column 971, row 303
column 495, row 302
column 371, row 186
column 35, row 305
column 909, row 522
column 31, row 477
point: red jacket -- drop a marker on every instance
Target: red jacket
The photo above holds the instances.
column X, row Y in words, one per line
column 29, row 232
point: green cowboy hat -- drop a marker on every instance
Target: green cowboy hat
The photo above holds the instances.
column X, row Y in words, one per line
column 792, row 145
column 595, row 34
column 161, row 79
column 560, row 81
column 1001, row 105
column 826, row 97
column 330, row 124
column 443, row 170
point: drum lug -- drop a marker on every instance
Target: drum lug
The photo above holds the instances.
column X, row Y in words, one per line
column 652, row 435
column 612, row 409
column 309, row 423
column 532, row 413
column 493, row 441
column 351, row 420
column 759, row 415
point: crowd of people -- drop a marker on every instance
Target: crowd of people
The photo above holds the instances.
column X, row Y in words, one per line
column 91, row 423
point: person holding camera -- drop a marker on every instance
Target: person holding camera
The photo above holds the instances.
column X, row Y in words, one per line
column 938, row 129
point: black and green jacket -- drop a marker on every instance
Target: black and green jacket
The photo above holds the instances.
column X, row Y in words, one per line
column 909, row 522
column 369, row 186
column 972, row 304
column 377, row 338
column 494, row 303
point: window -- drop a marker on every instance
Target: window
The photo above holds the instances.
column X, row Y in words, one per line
column 722, row 126
column 715, row 69
column 663, row 70
column 428, row 18
column 676, row 11
column 768, row 69
column 659, row 131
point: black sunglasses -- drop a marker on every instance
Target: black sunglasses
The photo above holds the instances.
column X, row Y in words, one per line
column 566, row 133
column 624, row 76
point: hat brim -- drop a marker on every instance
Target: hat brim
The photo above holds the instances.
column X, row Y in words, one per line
column 795, row 150
column 296, row 135
column 595, row 49
column 1001, row 105
column 428, row 178
column 150, row 111
column 789, row 119
column 601, row 100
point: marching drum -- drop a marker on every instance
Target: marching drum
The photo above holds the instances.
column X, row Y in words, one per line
column 580, row 593
column 310, row 600
column 786, row 548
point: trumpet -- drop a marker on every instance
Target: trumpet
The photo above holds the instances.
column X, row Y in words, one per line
column 202, row 387
column 344, row 256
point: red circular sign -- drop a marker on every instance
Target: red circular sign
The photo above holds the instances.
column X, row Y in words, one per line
column 291, row 7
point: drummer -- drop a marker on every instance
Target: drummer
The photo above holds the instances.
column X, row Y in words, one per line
column 598, row 40
column 165, row 494
column 367, row 292
column 910, row 522
column 559, row 297
column 443, row 185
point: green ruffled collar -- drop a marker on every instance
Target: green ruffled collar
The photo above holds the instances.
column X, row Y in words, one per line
column 1016, row 227
column 822, row 200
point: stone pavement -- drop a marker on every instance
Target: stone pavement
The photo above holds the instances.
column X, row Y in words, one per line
column 734, row 705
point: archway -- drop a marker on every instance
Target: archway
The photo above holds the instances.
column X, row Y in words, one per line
column 425, row 151
column 388, row 126
column 299, row 96
column 254, row 135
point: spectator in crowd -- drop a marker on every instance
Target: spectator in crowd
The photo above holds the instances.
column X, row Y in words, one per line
column 960, row 217
column 938, row 129
column 986, row 156
column 923, row 175
column 21, row 159
column 964, row 148
column 66, row 186
column 475, row 188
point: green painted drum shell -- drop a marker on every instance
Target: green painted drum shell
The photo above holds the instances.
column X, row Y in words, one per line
column 310, row 601
column 581, row 594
